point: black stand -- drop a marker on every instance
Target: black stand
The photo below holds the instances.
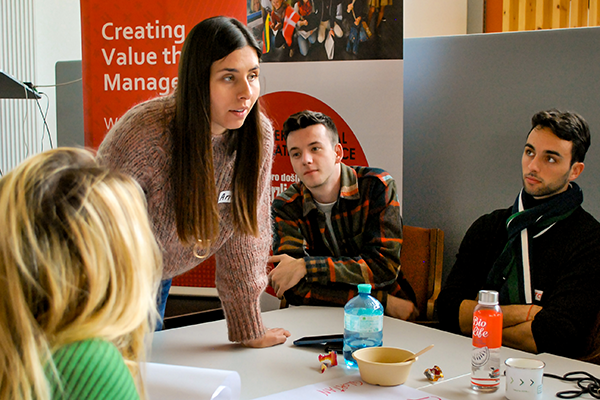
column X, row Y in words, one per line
column 10, row 88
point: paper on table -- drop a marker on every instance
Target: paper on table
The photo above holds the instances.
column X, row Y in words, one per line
column 349, row 388
column 165, row 381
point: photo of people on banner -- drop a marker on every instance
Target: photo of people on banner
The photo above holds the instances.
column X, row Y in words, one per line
column 321, row 30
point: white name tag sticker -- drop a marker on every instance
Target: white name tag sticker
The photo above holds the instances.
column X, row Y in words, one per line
column 538, row 295
column 224, row 197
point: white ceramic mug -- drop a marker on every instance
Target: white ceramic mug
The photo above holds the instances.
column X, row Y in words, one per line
column 524, row 378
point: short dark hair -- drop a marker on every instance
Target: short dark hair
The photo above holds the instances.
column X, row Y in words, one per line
column 306, row 118
column 567, row 126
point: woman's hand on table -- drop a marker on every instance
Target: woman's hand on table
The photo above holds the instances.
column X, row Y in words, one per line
column 272, row 337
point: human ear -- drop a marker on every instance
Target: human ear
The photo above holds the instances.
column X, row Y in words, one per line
column 339, row 152
column 576, row 170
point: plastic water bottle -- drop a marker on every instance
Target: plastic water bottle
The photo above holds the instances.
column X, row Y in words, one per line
column 487, row 340
column 363, row 323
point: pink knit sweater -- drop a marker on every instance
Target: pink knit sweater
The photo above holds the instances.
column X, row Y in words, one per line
column 139, row 145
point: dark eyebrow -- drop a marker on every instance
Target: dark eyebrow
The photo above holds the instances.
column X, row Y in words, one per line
column 554, row 153
column 309, row 145
column 547, row 152
column 233, row 70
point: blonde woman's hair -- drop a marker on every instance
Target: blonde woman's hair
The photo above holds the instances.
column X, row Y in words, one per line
column 78, row 260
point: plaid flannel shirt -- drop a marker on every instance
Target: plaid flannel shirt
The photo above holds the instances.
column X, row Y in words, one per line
column 368, row 227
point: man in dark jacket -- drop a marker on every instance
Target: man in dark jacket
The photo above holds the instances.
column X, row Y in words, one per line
column 542, row 254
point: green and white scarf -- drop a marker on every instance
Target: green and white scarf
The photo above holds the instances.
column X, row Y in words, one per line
column 510, row 274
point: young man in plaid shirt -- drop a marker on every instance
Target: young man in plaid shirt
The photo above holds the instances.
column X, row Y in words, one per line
column 339, row 227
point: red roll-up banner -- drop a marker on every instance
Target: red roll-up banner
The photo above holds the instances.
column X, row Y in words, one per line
column 131, row 50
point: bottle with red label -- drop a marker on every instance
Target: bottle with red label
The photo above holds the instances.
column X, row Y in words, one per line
column 487, row 340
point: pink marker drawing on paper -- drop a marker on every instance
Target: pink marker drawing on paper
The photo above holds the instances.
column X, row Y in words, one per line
column 339, row 388
column 427, row 398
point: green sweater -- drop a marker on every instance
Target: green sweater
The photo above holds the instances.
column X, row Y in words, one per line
column 91, row 369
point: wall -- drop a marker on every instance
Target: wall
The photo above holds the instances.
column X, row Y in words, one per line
column 475, row 15
column 35, row 34
column 423, row 18
column 19, row 117
column 468, row 103
column 58, row 38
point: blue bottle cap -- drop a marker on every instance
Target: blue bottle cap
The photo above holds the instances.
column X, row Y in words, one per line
column 364, row 288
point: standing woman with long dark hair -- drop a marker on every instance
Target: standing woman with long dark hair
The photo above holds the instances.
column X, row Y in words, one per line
column 203, row 157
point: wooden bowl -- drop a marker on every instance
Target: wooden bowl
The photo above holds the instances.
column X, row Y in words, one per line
column 383, row 366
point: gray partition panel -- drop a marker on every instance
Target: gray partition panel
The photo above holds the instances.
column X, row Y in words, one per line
column 69, row 104
column 468, row 102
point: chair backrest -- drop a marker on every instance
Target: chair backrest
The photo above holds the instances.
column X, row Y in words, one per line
column 421, row 262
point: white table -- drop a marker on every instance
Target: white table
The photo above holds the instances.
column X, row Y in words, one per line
column 460, row 389
column 280, row 368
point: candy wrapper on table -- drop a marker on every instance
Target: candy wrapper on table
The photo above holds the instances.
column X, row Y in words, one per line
column 434, row 374
column 328, row 360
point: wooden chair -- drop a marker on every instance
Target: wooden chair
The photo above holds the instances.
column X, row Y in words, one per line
column 421, row 262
